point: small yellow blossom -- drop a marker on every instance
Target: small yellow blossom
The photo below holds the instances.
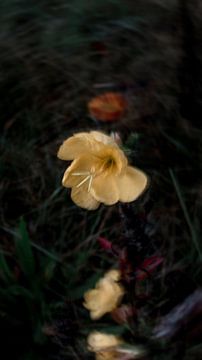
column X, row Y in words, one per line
column 106, row 296
column 99, row 172
column 98, row 341
column 112, row 347
column 104, row 345
column 113, row 275
column 107, row 355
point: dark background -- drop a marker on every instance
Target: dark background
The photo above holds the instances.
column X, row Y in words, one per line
column 55, row 57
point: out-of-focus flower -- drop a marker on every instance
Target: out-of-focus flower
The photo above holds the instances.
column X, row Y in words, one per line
column 99, row 172
column 107, row 355
column 112, row 347
column 107, row 107
column 98, row 341
column 104, row 345
column 106, row 296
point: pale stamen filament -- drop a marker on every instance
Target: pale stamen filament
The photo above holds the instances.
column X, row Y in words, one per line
column 88, row 177
column 83, row 181
column 90, row 174
column 81, row 173
column 90, row 183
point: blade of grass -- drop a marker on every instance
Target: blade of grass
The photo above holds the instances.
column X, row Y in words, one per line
column 186, row 213
column 6, row 273
column 176, row 143
column 46, row 252
column 24, row 250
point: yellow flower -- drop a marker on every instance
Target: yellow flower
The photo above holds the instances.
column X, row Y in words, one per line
column 99, row 172
column 107, row 355
column 104, row 345
column 98, row 341
column 106, row 296
column 111, row 347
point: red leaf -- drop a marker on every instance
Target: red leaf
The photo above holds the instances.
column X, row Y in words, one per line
column 104, row 243
column 109, row 106
column 149, row 265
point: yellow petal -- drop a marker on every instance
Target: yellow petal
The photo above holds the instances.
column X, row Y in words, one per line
column 95, row 302
column 103, row 138
column 113, row 275
column 106, row 355
column 104, row 189
column 83, row 166
column 97, row 314
column 77, row 145
column 83, row 198
column 104, row 298
column 90, row 298
column 111, row 159
column 98, row 341
column 131, row 184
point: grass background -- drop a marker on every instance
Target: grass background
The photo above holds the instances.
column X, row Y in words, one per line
column 55, row 56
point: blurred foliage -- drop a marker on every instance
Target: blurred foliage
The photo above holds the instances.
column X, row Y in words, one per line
column 56, row 55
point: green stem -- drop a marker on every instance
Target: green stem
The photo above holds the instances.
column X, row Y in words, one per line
column 186, row 214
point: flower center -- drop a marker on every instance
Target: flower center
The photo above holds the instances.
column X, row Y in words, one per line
column 109, row 162
column 106, row 165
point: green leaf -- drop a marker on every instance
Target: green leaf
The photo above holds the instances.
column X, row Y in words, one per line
column 38, row 335
column 17, row 290
column 117, row 330
column 24, row 250
column 9, row 294
column 5, row 272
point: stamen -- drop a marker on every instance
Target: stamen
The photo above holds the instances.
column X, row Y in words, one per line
column 80, row 173
column 90, row 183
column 88, row 177
column 83, row 181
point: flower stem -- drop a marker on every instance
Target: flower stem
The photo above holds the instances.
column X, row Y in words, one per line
column 186, row 214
